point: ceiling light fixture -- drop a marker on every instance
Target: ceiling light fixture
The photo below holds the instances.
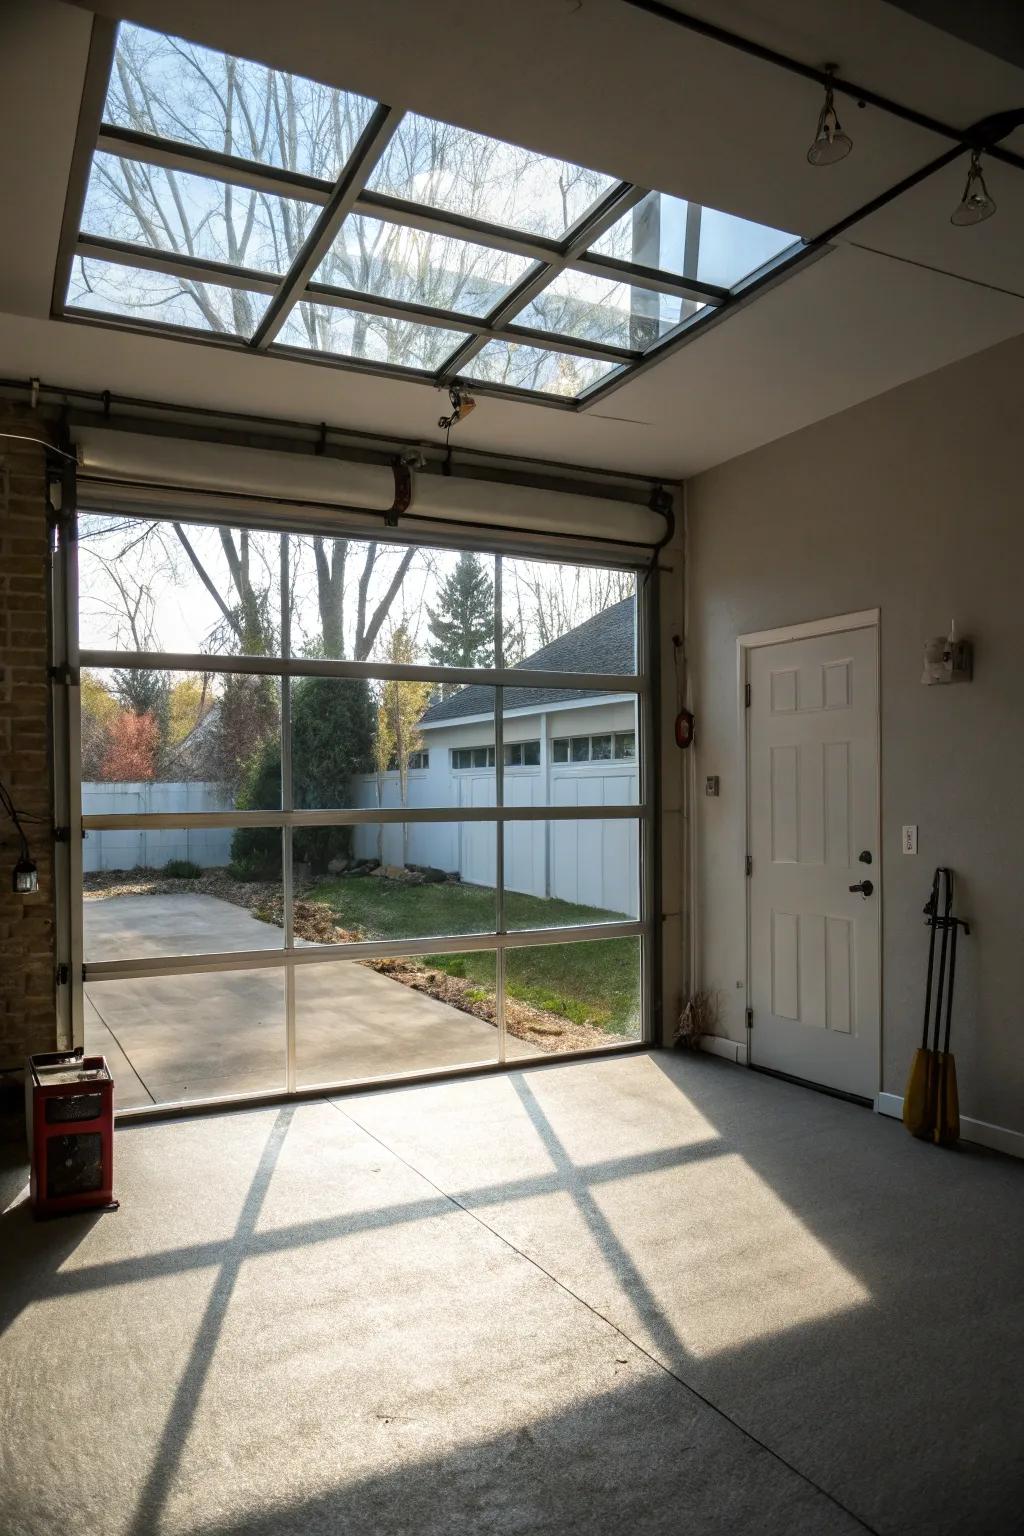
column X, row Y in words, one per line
column 831, row 144
column 976, row 205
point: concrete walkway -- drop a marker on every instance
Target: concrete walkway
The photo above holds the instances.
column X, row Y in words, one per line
column 190, row 1037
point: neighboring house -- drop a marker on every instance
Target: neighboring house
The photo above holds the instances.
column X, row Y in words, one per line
column 562, row 746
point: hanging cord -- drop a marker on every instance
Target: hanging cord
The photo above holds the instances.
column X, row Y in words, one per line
column 23, row 437
column 462, row 403
column 7, row 804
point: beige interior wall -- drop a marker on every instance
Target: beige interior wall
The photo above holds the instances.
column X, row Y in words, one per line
column 913, row 503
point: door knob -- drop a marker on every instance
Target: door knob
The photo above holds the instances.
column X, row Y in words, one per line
column 864, row 887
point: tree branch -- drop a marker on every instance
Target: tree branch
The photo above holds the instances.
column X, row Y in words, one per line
column 207, row 583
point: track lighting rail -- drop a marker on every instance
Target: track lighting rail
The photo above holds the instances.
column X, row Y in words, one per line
column 983, row 135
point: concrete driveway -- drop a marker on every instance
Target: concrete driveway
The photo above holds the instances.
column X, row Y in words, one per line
column 223, row 1032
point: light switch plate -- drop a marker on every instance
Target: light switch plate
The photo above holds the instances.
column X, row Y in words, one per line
column 909, row 840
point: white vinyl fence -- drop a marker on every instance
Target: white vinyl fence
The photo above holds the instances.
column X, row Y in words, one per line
column 593, row 863
column 136, row 849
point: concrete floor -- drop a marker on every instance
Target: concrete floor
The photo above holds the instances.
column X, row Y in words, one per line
column 645, row 1294
column 190, row 1037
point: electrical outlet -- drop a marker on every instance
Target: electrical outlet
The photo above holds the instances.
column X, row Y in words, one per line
column 909, row 840
column 711, row 784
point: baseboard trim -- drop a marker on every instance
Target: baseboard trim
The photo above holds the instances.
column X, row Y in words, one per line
column 718, row 1045
column 998, row 1137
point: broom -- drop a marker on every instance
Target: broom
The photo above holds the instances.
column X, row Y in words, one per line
column 919, row 1098
column 946, row 1103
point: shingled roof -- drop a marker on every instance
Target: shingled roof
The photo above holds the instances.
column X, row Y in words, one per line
column 604, row 643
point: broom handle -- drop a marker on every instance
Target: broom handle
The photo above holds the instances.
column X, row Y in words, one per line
column 933, row 909
column 949, row 995
column 942, row 954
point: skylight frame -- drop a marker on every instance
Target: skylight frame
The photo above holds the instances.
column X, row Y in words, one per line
column 349, row 194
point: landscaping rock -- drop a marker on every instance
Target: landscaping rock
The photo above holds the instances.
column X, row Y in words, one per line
column 430, row 875
column 338, row 866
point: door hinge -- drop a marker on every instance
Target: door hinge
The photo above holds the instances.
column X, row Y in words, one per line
column 750, row 1018
column 746, row 695
column 749, row 866
column 63, row 975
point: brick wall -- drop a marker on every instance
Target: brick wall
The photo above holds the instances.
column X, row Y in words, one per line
column 27, row 956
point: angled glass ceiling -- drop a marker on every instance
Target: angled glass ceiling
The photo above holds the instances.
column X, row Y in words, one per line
column 274, row 214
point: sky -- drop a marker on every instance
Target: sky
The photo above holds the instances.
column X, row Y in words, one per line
column 131, row 563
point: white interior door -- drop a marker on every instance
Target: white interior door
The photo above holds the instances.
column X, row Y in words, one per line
column 813, row 826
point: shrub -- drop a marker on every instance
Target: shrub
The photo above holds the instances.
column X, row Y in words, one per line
column 332, row 726
column 181, row 869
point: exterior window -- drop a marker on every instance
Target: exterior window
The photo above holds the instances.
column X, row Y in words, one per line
column 581, row 749
column 560, row 751
column 416, row 760
column 625, row 745
column 600, row 748
column 522, row 754
column 469, row 757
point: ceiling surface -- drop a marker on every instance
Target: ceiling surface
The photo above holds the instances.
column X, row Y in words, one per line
column 602, row 83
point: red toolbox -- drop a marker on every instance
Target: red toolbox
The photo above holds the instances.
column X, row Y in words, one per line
column 69, row 1107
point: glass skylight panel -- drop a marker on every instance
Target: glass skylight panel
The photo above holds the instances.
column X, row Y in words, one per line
column 598, row 309
column 375, row 338
column 521, row 366
column 178, row 90
column 686, row 240
column 395, row 261
column 465, row 173
column 193, row 216
column 112, row 288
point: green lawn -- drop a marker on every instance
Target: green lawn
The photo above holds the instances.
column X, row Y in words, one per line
column 592, row 983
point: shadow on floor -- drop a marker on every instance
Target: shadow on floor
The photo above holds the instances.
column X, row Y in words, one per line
column 893, row 1407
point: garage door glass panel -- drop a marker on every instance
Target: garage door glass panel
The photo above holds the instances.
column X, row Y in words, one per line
column 151, row 892
column 417, row 266
column 563, row 874
column 194, row 216
column 167, row 742
column 576, row 996
column 398, row 880
column 362, row 600
column 378, row 1018
column 570, row 746
column 449, row 168
column 568, row 618
column 153, row 585
column 156, row 298
column 173, row 1038
column 388, row 744
column 180, row 91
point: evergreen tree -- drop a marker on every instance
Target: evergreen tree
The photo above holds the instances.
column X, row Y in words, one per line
column 462, row 624
column 332, row 730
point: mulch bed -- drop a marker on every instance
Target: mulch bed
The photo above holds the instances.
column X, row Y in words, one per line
column 315, row 922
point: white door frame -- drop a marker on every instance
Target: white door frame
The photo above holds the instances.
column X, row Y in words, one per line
column 865, row 618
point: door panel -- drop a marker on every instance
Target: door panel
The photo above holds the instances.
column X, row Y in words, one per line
column 813, row 775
